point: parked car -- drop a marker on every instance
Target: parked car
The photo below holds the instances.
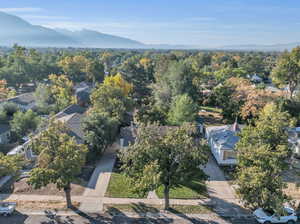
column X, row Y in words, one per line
column 7, row 208
column 268, row 217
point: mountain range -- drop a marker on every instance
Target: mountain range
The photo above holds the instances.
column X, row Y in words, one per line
column 15, row 30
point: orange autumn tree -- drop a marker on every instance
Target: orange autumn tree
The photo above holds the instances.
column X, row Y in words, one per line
column 253, row 99
column 256, row 101
column 4, row 91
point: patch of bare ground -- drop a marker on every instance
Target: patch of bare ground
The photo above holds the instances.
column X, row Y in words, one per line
column 43, row 205
column 20, row 186
column 292, row 178
column 211, row 116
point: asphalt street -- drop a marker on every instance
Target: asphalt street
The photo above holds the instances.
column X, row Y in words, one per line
column 107, row 219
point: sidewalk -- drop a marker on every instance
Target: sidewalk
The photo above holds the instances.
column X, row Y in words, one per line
column 99, row 180
column 105, row 200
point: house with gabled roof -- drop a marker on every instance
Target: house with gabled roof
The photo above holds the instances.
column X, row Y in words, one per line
column 24, row 101
column 71, row 116
column 222, row 141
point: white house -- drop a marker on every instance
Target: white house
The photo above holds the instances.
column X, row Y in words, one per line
column 256, row 78
column 294, row 140
column 222, row 141
column 23, row 150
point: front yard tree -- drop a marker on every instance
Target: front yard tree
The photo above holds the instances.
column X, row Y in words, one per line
column 263, row 153
column 287, row 70
column 100, row 130
column 163, row 156
column 60, row 159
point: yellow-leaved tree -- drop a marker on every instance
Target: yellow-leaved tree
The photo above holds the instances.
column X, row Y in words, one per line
column 62, row 90
column 119, row 82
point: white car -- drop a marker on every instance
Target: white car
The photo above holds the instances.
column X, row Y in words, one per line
column 7, row 208
column 267, row 217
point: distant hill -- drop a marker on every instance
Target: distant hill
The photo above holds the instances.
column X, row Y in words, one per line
column 16, row 30
column 273, row 47
column 91, row 38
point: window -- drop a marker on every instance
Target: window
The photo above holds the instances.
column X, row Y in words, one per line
column 229, row 154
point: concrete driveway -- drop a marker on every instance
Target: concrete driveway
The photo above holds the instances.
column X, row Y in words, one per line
column 221, row 193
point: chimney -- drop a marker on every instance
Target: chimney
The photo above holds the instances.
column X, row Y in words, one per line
column 235, row 127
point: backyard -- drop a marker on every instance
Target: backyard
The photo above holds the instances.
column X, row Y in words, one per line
column 211, row 116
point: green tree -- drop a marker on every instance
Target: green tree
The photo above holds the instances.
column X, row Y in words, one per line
column 60, row 159
column 62, row 91
column 287, row 70
column 140, row 74
column 24, row 123
column 149, row 113
column 163, row 156
column 100, row 130
column 10, row 165
column 9, row 108
column 94, row 71
column 43, row 97
column 111, row 100
column 263, row 155
column 183, row 109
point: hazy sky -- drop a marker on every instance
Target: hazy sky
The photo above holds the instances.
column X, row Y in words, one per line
column 205, row 23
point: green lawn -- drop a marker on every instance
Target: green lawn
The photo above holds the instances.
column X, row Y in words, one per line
column 211, row 109
column 139, row 208
column 119, row 187
column 194, row 189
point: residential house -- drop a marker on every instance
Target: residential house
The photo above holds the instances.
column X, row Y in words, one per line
column 74, row 108
column 222, row 141
column 128, row 135
column 294, row 140
column 83, row 96
column 4, row 133
column 71, row 116
column 73, row 123
column 24, row 101
column 256, row 78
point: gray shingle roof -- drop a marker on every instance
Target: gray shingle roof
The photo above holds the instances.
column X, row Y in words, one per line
column 83, row 95
column 23, row 99
column 73, row 122
column 225, row 136
column 74, row 108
